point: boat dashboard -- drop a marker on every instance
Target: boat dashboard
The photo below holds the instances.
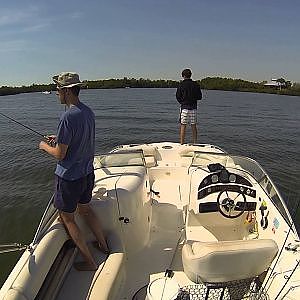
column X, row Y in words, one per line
column 233, row 193
column 224, row 180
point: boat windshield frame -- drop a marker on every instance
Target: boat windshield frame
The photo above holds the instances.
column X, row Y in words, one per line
column 252, row 168
column 48, row 217
column 120, row 158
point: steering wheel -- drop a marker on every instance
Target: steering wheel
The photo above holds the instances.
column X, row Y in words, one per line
column 231, row 204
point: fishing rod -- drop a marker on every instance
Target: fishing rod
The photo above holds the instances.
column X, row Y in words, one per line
column 36, row 132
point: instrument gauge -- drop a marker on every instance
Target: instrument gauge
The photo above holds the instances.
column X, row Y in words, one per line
column 214, row 178
column 232, row 178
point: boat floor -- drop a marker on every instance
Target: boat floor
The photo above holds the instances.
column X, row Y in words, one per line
column 153, row 262
column 162, row 252
column 77, row 283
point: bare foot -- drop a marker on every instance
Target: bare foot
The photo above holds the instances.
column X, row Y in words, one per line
column 84, row 266
column 105, row 250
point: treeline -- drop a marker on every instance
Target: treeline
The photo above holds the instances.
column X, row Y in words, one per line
column 208, row 83
column 95, row 84
column 130, row 83
column 7, row 90
column 229, row 84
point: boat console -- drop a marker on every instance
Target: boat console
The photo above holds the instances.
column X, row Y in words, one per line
column 231, row 193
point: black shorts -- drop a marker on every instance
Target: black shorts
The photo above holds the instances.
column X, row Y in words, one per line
column 69, row 193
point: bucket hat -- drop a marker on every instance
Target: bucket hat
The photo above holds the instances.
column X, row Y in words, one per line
column 67, row 79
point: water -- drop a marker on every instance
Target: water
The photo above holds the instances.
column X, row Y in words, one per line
column 264, row 127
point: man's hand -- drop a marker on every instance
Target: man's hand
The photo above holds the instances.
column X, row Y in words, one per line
column 51, row 140
column 58, row 150
column 43, row 145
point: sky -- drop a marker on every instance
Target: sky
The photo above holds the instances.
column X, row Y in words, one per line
column 254, row 40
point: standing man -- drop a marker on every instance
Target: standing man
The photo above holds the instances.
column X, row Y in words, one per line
column 74, row 174
column 187, row 94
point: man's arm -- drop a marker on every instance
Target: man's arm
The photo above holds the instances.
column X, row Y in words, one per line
column 179, row 95
column 59, row 151
column 198, row 91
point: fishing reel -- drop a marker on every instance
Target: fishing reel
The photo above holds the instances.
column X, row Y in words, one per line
column 51, row 140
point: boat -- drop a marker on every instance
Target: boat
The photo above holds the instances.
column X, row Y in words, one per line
column 46, row 92
column 182, row 222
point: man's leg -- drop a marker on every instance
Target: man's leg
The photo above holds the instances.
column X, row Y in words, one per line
column 194, row 133
column 183, row 122
column 182, row 133
column 93, row 222
column 76, row 235
column 193, row 119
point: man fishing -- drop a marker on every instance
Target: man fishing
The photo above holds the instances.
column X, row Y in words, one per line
column 74, row 174
column 187, row 94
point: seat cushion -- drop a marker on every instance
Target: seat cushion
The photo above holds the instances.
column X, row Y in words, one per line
column 13, row 294
column 148, row 150
column 224, row 261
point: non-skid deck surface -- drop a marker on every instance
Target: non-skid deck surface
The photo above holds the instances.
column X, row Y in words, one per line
column 164, row 247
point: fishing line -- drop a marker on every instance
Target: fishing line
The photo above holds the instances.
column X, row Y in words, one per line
column 36, row 132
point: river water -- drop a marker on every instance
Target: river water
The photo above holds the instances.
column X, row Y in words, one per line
column 261, row 126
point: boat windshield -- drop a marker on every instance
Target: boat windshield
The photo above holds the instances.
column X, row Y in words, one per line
column 119, row 159
column 203, row 159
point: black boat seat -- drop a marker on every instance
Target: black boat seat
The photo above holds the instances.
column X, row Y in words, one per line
column 223, row 261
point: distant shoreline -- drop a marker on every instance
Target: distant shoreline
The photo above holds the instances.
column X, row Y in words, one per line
column 208, row 83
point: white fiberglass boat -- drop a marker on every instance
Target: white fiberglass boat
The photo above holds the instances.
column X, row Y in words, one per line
column 182, row 222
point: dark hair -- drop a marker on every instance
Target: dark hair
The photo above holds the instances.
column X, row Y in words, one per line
column 75, row 90
column 186, row 73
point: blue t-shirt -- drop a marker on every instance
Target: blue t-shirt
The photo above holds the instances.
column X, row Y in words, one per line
column 77, row 130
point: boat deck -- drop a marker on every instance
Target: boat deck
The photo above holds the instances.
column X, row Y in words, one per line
column 162, row 252
column 154, row 208
column 77, row 283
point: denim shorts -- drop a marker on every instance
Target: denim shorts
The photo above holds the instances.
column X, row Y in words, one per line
column 69, row 193
column 188, row 116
